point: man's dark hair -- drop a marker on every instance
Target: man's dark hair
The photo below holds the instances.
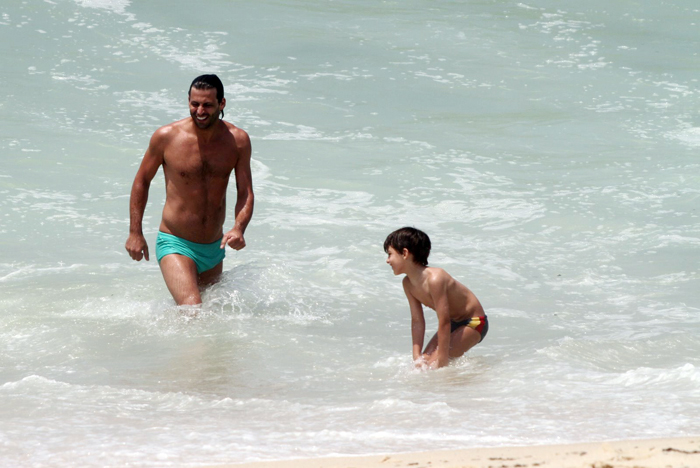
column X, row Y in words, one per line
column 416, row 241
column 208, row 82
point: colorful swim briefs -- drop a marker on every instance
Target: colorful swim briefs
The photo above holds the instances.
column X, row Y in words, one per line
column 480, row 324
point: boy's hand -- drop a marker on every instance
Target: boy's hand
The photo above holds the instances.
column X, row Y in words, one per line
column 421, row 364
column 433, row 361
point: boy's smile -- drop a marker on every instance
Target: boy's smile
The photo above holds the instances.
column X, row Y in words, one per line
column 396, row 261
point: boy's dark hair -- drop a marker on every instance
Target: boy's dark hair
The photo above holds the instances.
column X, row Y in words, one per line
column 414, row 240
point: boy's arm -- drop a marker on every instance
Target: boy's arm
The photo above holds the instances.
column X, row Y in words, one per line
column 438, row 291
column 417, row 321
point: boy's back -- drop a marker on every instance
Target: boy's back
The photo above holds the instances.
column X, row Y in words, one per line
column 461, row 301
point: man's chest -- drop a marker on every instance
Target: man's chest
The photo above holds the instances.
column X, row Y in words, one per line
column 201, row 162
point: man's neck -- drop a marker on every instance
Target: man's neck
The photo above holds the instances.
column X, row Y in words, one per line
column 206, row 135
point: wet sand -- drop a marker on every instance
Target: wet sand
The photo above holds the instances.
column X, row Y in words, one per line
column 654, row 453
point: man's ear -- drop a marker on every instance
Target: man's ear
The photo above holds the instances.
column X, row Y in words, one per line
column 223, row 103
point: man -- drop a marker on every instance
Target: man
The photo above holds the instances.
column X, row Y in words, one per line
column 197, row 155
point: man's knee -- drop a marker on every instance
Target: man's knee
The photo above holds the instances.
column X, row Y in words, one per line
column 180, row 275
column 190, row 300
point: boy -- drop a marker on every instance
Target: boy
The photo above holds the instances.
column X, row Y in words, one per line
column 461, row 320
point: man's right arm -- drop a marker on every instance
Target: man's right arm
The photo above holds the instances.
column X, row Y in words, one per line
column 136, row 244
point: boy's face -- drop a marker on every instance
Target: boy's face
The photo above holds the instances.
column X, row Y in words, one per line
column 397, row 260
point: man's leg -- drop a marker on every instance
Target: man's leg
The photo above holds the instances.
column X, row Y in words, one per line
column 180, row 275
column 211, row 276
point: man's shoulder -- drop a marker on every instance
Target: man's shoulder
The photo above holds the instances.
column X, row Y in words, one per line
column 171, row 130
column 240, row 136
column 237, row 132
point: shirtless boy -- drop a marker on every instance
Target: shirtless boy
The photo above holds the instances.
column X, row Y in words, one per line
column 198, row 155
column 462, row 323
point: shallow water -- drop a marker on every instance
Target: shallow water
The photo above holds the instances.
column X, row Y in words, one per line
column 550, row 150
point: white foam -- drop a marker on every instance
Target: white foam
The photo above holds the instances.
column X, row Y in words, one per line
column 116, row 6
column 689, row 136
column 36, row 271
column 650, row 376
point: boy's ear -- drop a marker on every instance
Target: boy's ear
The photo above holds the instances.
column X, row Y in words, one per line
column 405, row 253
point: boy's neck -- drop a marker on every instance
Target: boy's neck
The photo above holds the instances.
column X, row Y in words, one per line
column 414, row 271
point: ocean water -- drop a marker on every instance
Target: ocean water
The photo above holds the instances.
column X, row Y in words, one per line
column 551, row 149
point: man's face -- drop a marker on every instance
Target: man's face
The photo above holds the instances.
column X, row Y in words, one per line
column 204, row 108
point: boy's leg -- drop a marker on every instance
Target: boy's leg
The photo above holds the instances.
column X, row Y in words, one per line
column 461, row 341
column 180, row 275
column 431, row 346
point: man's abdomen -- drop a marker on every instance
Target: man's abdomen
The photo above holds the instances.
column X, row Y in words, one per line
column 199, row 223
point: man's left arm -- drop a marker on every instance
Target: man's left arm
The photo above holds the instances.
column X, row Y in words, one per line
column 245, row 198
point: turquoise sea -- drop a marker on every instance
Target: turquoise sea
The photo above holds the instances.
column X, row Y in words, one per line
column 551, row 150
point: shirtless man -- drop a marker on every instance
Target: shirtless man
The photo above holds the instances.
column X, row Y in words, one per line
column 197, row 154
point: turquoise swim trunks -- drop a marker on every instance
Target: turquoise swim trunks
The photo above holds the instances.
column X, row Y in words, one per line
column 205, row 256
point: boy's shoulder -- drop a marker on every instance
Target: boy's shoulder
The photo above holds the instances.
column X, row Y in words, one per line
column 437, row 275
column 433, row 277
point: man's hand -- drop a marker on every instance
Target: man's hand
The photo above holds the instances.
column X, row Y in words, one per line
column 137, row 247
column 234, row 239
